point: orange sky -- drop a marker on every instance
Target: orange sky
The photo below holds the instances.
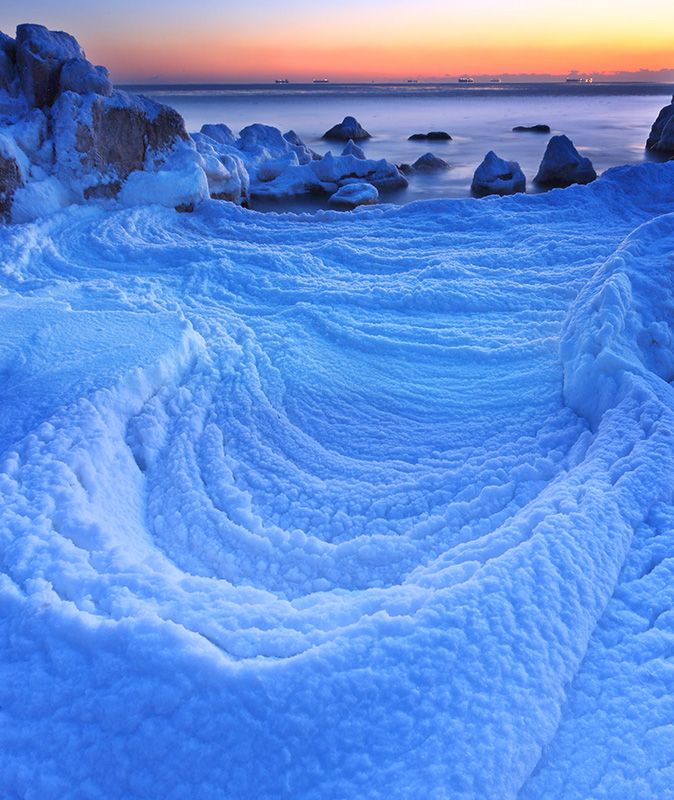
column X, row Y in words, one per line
column 359, row 39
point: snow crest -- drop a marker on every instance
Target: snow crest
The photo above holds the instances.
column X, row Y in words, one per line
column 332, row 506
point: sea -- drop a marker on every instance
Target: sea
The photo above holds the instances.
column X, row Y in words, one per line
column 607, row 122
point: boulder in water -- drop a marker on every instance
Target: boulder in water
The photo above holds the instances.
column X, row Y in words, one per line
column 496, row 176
column 563, row 165
column 349, row 128
column 661, row 137
column 430, row 162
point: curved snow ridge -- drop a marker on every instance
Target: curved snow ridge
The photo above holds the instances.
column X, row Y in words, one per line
column 619, row 337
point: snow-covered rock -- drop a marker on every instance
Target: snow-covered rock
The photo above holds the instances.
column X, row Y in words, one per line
column 100, row 141
column 430, row 162
column 496, row 176
column 219, row 133
column 349, row 128
column 354, row 194
column 81, row 76
column 563, row 165
column 68, row 136
column 661, row 137
column 40, row 55
column 352, row 149
column 274, row 167
column 261, row 143
column 328, row 175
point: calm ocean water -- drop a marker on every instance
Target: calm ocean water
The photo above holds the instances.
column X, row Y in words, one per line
column 609, row 123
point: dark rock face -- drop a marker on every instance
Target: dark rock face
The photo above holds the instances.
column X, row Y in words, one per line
column 81, row 76
column 10, row 181
column 563, row 165
column 532, row 128
column 40, row 55
column 435, row 135
column 430, row 162
column 349, row 128
column 108, row 138
column 661, row 137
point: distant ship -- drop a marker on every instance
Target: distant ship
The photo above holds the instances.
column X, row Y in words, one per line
column 579, row 80
column 413, row 80
column 495, row 80
column 321, row 80
column 466, row 79
column 282, row 80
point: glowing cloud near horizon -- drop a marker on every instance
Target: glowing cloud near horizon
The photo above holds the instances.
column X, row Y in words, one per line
column 359, row 40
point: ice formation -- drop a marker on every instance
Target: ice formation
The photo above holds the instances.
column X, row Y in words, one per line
column 375, row 505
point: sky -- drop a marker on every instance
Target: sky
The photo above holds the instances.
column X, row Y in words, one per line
column 261, row 40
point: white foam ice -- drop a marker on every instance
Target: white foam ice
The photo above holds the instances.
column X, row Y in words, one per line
column 339, row 505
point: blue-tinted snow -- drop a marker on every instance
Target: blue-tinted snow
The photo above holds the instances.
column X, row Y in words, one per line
column 363, row 505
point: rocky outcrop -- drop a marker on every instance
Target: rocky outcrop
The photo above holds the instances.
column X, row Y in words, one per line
column 72, row 137
column 7, row 63
column 496, row 176
column 40, row 56
column 661, row 137
column 352, row 195
column 349, row 128
column 430, row 162
column 531, row 129
column 563, row 165
column 434, row 135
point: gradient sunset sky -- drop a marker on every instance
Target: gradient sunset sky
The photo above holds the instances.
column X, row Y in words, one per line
column 260, row 40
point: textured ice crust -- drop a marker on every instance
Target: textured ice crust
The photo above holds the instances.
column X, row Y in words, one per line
column 340, row 507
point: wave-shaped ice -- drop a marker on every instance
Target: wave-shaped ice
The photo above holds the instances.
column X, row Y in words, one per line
column 337, row 505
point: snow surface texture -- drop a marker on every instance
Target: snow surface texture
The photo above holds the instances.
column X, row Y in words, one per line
column 374, row 505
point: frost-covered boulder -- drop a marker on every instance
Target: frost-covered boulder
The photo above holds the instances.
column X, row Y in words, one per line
column 99, row 141
column 31, row 134
column 40, row 56
column 10, row 175
column 661, row 137
column 430, row 162
column 81, row 76
column 496, row 176
column 434, row 135
column 354, row 194
column 219, row 133
column 352, row 149
column 349, row 128
column 563, row 165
